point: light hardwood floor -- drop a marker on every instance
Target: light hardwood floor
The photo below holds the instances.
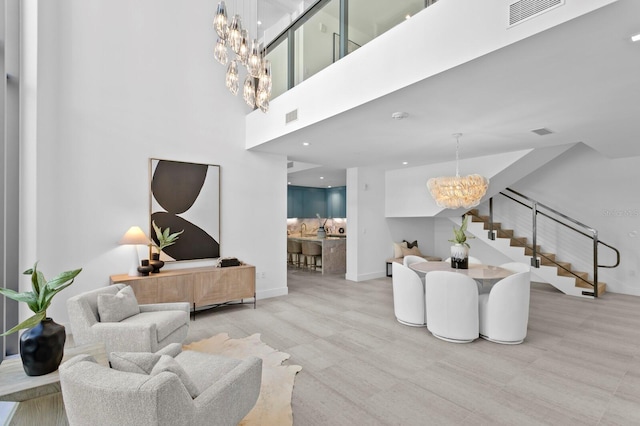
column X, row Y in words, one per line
column 580, row 363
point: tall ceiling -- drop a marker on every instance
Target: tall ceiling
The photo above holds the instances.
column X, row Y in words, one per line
column 581, row 80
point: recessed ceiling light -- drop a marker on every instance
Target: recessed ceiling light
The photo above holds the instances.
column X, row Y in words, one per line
column 399, row 115
column 305, row 143
column 259, row 23
column 404, row 163
column 635, row 37
column 407, row 16
column 328, row 186
column 288, row 183
column 321, row 177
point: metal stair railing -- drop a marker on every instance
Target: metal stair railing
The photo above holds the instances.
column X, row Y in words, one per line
column 538, row 208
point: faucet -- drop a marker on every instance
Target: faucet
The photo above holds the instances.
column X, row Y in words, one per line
column 303, row 226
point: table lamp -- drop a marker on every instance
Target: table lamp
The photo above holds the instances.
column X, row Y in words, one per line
column 134, row 237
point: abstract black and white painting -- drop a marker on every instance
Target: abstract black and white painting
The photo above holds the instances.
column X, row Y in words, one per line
column 186, row 197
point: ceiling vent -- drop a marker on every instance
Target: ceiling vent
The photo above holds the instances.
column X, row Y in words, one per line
column 290, row 165
column 542, row 132
column 522, row 10
column 291, row 116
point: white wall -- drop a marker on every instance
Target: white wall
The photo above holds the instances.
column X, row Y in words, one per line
column 368, row 236
column 411, row 229
column 120, row 82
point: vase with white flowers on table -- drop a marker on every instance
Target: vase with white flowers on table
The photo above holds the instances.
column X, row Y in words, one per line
column 460, row 250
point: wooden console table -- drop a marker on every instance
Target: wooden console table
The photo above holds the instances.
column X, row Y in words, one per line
column 39, row 397
column 207, row 286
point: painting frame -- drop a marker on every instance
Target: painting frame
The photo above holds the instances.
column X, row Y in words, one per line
column 185, row 197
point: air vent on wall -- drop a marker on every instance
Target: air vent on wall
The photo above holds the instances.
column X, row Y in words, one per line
column 291, row 116
column 526, row 9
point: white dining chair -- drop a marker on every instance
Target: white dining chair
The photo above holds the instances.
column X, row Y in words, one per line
column 411, row 259
column 408, row 296
column 504, row 311
column 451, row 301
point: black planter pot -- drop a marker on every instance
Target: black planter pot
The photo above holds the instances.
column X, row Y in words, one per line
column 460, row 263
column 156, row 262
column 145, row 268
column 42, row 347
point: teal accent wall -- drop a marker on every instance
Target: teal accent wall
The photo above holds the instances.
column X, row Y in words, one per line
column 304, row 202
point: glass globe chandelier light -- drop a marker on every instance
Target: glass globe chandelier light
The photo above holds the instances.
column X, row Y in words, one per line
column 264, row 86
column 220, row 21
column 254, row 63
column 220, row 52
column 249, row 91
column 235, row 33
column 256, row 90
column 243, row 51
column 232, row 78
column 452, row 192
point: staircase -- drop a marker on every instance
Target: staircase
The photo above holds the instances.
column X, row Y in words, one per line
column 551, row 270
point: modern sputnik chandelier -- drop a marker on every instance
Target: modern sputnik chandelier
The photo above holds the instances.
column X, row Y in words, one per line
column 452, row 192
column 256, row 89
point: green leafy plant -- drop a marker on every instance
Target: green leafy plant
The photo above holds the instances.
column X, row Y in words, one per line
column 39, row 299
column 165, row 238
column 459, row 236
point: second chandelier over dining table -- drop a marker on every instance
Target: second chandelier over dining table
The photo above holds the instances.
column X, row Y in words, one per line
column 249, row 53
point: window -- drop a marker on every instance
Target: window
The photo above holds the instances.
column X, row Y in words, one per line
column 9, row 158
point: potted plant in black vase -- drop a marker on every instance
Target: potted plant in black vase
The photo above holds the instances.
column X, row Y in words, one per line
column 42, row 345
column 460, row 249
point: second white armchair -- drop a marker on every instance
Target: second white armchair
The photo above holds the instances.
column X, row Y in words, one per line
column 145, row 328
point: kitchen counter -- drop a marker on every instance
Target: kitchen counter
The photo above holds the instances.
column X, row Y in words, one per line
column 334, row 253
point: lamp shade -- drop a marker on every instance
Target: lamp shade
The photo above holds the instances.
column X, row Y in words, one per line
column 134, row 236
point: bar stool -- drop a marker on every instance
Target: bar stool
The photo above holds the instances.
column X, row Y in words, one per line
column 294, row 248
column 312, row 251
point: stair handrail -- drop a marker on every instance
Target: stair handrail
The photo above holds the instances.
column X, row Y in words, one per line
column 535, row 209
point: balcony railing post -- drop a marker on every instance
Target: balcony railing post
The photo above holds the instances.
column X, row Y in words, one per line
column 344, row 28
column 291, row 59
column 595, row 263
column 491, row 234
column 534, row 214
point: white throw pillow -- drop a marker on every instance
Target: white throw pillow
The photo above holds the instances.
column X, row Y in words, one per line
column 119, row 306
column 397, row 249
column 167, row 363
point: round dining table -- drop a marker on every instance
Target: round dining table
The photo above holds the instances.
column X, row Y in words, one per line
column 475, row 271
column 483, row 274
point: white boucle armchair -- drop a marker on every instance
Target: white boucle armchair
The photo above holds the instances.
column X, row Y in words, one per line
column 156, row 326
column 227, row 389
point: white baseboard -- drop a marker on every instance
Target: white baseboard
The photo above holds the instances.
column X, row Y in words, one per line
column 273, row 292
column 365, row 277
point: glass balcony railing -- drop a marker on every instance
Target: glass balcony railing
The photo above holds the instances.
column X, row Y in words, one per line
column 330, row 30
